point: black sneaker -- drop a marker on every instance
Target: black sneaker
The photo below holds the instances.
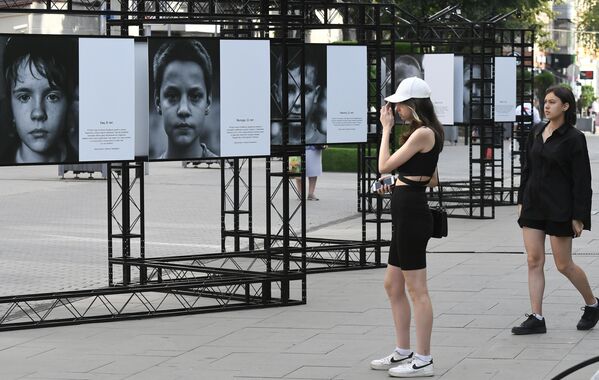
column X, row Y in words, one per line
column 589, row 318
column 532, row 325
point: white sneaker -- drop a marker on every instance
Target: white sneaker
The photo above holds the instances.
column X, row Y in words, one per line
column 391, row 361
column 415, row 368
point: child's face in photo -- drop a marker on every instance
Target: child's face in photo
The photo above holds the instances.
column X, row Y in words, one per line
column 312, row 90
column 183, row 101
column 39, row 109
column 295, row 99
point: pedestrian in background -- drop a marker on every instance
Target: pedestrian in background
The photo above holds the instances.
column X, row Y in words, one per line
column 313, row 170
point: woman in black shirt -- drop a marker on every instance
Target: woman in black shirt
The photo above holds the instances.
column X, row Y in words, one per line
column 555, row 199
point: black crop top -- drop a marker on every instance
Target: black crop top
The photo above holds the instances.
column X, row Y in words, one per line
column 421, row 164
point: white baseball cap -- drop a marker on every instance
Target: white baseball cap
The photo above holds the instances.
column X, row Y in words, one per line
column 412, row 87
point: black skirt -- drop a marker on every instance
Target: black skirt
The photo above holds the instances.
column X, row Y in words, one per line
column 412, row 227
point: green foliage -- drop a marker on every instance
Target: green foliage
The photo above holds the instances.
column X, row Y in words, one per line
column 402, row 47
column 543, row 81
column 588, row 23
column 566, row 85
column 345, row 42
column 587, row 96
column 344, row 158
column 340, row 159
column 477, row 10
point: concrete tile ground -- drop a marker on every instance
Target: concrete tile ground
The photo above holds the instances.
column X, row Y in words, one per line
column 53, row 235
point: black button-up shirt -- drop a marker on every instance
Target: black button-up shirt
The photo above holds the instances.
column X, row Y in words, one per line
column 555, row 183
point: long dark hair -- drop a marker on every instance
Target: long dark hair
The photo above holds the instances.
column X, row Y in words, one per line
column 426, row 113
column 566, row 96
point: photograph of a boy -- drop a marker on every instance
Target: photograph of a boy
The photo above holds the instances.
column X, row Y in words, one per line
column 184, row 109
column 40, row 75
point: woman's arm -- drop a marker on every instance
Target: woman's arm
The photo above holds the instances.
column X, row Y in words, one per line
column 525, row 173
column 418, row 141
column 387, row 121
column 581, row 184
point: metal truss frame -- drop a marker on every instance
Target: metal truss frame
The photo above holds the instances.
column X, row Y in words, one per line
column 273, row 274
column 479, row 42
column 140, row 287
column 520, row 44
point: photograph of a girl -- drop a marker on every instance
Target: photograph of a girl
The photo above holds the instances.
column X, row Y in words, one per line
column 184, row 109
column 40, row 75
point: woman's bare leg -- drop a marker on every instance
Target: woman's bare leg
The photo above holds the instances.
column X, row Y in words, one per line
column 534, row 243
column 423, row 309
column 400, row 307
column 562, row 255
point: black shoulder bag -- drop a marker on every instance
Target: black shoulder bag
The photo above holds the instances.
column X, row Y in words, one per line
column 439, row 214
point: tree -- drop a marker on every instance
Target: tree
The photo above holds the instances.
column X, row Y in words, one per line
column 587, row 96
column 543, row 81
column 476, row 10
column 588, row 24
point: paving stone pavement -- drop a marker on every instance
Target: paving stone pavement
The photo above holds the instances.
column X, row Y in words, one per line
column 53, row 235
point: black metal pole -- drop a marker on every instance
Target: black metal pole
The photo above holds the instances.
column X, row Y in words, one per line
column 126, row 220
column 109, row 224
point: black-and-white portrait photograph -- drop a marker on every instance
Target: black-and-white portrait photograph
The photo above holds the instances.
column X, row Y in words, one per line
column 39, row 102
column 474, row 89
column 406, row 66
column 184, row 98
column 315, row 71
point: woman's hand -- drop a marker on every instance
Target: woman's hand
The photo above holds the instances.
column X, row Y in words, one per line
column 387, row 185
column 519, row 210
column 387, row 119
column 577, row 226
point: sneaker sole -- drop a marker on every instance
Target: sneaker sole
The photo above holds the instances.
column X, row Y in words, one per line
column 386, row 367
column 585, row 328
column 380, row 367
column 529, row 332
column 415, row 374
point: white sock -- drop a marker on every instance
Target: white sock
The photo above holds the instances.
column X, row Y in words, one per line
column 538, row 316
column 596, row 304
column 424, row 358
column 403, row 351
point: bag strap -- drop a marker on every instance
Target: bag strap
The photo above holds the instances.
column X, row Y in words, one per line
column 440, row 189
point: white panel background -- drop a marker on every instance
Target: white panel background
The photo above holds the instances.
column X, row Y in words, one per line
column 245, row 98
column 505, row 89
column 458, row 90
column 347, row 94
column 106, row 98
column 438, row 73
column 142, row 93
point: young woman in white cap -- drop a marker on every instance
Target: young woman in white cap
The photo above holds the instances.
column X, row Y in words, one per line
column 415, row 163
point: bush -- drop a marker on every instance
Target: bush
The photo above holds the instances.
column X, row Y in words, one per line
column 340, row 159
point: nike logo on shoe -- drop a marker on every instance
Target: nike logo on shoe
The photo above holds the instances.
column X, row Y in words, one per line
column 393, row 360
column 414, row 366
